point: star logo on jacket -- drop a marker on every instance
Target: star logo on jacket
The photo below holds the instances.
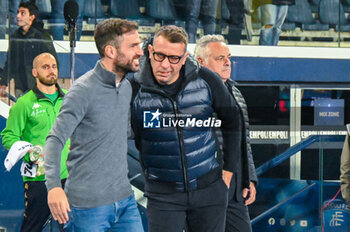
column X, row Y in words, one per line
column 36, row 106
column 151, row 119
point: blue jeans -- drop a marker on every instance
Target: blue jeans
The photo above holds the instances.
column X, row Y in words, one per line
column 121, row 216
column 205, row 8
column 273, row 15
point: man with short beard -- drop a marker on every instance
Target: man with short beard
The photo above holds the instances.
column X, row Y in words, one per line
column 94, row 115
column 30, row 120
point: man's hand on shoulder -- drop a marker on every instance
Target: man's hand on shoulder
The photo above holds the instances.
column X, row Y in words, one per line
column 58, row 204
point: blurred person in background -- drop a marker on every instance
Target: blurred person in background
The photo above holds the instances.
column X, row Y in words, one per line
column 272, row 14
column 345, row 168
column 28, row 41
column 205, row 10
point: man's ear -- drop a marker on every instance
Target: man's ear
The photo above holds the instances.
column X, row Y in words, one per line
column 200, row 61
column 149, row 50
column 185, row 58
column 34, row 72
column 32, row 18
column 110, row 51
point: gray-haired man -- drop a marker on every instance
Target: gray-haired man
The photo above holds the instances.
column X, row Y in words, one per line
column 213, row 53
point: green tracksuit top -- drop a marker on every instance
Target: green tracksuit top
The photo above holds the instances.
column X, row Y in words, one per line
column 30, row 120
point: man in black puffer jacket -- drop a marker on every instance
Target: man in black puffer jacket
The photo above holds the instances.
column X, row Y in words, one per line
column 213, row 53
column 177, row 106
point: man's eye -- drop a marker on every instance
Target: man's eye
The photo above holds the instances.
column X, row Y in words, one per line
column 160, row 55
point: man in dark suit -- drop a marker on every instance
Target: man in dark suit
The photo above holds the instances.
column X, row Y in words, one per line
column 213, row 53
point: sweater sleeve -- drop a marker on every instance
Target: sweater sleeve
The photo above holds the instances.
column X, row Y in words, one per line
column 228, row 112
column 73, row 110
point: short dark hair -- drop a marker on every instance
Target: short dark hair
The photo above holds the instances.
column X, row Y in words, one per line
column 107, row 30
column 173, row 34
column 32, row 8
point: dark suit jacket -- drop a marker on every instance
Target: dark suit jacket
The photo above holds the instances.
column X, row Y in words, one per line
column 246, row 169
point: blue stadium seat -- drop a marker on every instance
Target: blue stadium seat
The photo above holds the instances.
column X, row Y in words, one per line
column 161, row 9
column 301, row 14
column 130, row 10
column 125, row 9
column 44, row 8
column 314, row 4
column 93, row 8
column 4, row 7
column 13, row 7
column 288, row 26
column 329, row 14
column 346, row 4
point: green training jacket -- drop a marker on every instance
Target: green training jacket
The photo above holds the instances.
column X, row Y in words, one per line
column 30, row 120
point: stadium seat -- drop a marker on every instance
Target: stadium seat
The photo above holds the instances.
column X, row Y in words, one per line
column 314, row 4
column 44, row 8
column 93, row 11
column 125, row 9
column 301, row 14
column 3, row 13
column 288, row 26
column 329, row 12
column 346, row 4
column 161, row 9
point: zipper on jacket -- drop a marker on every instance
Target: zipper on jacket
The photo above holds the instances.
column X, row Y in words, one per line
column 117, row 86
column 181, row 142
column 179, row 132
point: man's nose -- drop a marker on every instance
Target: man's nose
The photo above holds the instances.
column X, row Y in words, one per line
column 227, row 61
column 52, row 69
column 140, row 51
column 165, row 63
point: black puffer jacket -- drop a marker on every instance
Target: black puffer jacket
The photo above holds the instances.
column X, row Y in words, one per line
column 183, row 158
